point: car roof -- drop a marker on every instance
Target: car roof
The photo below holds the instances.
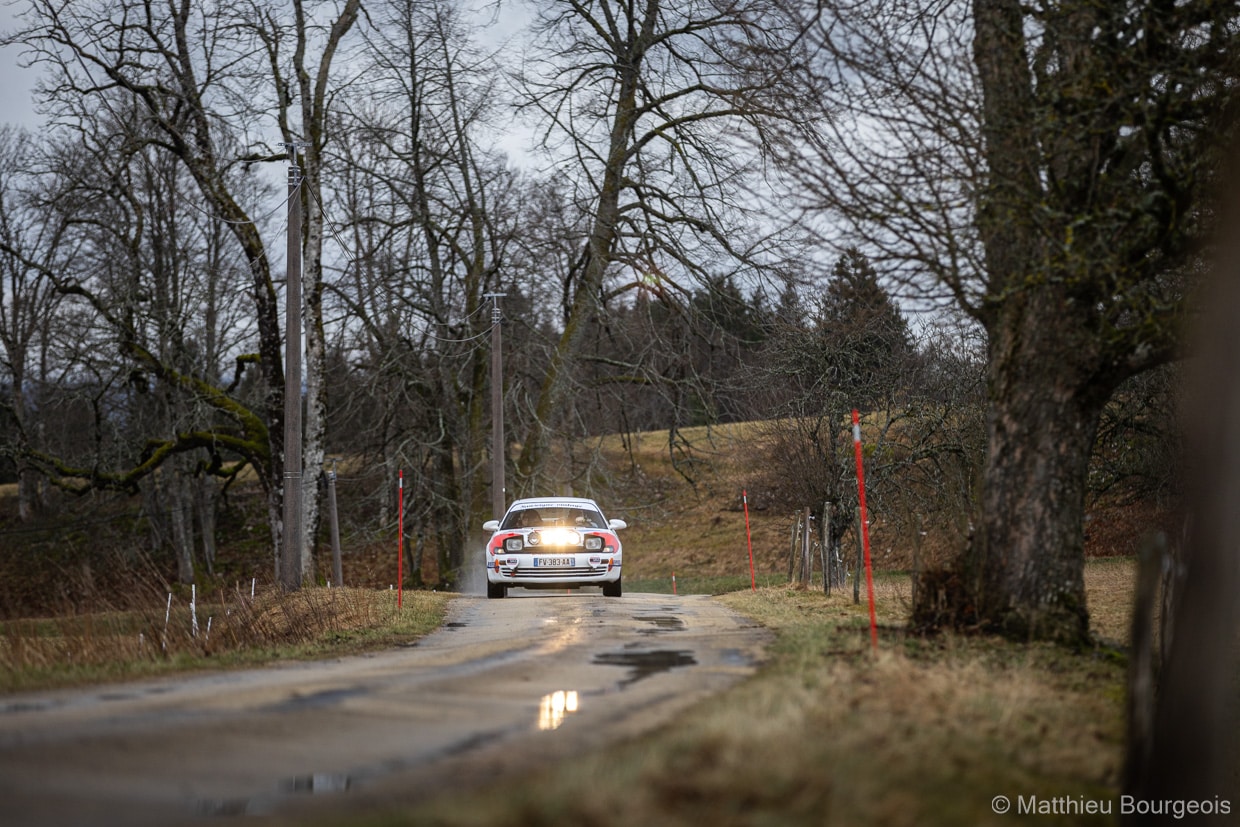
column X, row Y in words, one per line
column 553, row 502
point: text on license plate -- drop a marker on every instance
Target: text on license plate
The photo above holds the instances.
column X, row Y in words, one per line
column 552, row 562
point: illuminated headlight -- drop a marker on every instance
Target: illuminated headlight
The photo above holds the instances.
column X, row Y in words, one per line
column 560, row 537
column 513, row 544
column 594, row 543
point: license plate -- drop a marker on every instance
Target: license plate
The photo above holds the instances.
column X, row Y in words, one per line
column 552, row 562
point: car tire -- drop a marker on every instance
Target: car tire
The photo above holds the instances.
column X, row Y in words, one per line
column 495, row 591
column 613, row 589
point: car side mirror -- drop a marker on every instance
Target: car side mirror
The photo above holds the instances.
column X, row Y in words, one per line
column 491, row 525
column 616, row 525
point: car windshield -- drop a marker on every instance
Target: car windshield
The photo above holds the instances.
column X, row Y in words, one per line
column 548, row 516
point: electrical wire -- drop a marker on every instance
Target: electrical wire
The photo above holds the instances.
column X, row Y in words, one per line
column 473, row 338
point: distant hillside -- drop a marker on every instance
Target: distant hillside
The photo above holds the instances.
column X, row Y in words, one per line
column 682, row 501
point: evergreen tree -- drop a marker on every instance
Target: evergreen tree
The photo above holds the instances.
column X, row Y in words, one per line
column 864, row 339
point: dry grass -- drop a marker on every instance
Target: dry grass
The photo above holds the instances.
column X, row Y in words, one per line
column 1109, row 586
column 232, row 629
column 699, row 528
column 926, row 732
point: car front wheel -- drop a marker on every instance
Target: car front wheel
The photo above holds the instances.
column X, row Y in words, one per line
column 613, row 589
column 496, row 590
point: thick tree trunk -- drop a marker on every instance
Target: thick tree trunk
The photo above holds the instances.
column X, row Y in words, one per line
column 315, row 428
column 1023, row 574
column 1028, row 557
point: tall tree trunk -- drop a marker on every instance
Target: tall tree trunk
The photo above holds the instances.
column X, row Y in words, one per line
column 597, row 255
column 314, row 106
column 205, row 492
column 28, row 479
column 1028, row 558
column 315, row 423
column 180, row 513
column 1026, row 567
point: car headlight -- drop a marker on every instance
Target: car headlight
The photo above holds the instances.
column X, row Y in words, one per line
column 513, row 544
column 560, row 537
column 594, row 543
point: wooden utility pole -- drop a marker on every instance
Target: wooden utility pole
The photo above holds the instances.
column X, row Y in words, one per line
column 499, row 498
column 337, row 565
column 289, row 570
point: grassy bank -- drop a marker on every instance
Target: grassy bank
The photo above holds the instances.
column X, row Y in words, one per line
column 925, row 732
column 228, row 630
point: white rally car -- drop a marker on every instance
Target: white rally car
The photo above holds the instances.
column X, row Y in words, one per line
column 553, row 543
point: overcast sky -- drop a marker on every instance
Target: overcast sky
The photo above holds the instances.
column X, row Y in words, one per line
column 17, row 83
column 16, row 106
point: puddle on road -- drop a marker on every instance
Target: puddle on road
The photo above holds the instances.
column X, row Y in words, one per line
column 223, row 807
column 318, row 783
column 299, row 702
column 662, row 623
column 644, row 664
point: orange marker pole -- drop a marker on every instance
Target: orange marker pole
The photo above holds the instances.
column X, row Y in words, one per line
column 400, row 540
column 753, row 580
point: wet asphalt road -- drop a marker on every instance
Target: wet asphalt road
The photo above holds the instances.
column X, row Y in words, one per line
column 504, row 686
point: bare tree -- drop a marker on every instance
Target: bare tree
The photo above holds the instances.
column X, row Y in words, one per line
column 197, row 80
column 303, row 120
column 1041, row 166
column 32, row 242
column 170, row 64
column 145, row 292
column 644, row 106
column 431, row 212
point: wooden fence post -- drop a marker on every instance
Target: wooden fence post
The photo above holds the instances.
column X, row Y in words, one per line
column 824, row 547
column 806, row 562
column 792, row 552
column 916, row 557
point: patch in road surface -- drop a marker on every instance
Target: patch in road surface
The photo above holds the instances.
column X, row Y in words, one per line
column 316, row 700
column 318, row 783
column 662, row 623
column 644, row 664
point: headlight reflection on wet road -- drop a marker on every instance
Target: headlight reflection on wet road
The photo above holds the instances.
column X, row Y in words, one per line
column 554, row 708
